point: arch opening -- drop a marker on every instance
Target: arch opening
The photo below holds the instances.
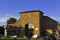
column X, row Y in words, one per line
column 29, row 29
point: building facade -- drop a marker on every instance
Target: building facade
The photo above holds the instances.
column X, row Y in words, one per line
column 49, row 25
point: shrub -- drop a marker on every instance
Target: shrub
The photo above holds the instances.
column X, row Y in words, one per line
column 18, row 39
column 34, row 38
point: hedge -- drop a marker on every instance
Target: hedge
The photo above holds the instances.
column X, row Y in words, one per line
column 7, row 39
column 34, row 38
column 18, row 39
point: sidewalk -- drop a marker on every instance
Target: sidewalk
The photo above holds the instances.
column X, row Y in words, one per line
column 41, row 38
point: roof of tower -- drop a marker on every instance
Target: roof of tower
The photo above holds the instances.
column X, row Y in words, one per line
column 31, row 11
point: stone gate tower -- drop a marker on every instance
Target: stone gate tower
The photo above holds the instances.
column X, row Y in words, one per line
column 34, row 17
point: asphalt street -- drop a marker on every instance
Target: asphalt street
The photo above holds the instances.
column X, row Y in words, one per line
column 42, row 38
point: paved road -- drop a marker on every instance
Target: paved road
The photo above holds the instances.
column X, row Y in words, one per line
column 42, row 38
column 58, row 39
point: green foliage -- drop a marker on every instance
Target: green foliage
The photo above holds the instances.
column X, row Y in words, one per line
column 34, row 38
column 11, row 20
column 18, row 39
column 22, row 39
column 13, row 39
column 7, row 38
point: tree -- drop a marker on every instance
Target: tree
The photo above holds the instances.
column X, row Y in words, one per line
column 11, row 20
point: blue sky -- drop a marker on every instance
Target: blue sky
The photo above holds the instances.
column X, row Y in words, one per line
column 11, row 8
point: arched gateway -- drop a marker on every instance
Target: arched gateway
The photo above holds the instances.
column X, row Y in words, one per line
column 34, row 17
column 36, row 20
